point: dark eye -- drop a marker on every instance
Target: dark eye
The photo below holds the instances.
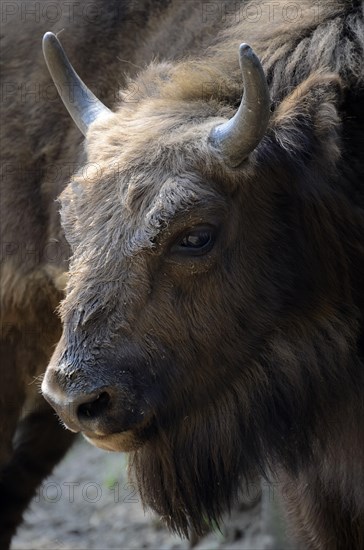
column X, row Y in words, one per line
column 195, row 242
column 197, row 239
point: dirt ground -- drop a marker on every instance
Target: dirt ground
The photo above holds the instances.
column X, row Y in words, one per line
column 88, row 503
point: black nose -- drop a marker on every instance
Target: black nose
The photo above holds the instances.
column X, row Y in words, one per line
column 102, row 411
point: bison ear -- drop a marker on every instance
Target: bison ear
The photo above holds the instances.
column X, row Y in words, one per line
column 306, row 124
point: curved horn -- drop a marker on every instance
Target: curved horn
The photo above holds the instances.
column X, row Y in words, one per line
column 237, row 137
column 80, row 102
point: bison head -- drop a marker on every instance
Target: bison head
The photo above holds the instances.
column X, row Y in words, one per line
column 200, row 302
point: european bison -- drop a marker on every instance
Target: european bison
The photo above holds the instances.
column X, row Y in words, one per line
column 40, row 148
column 213, row 318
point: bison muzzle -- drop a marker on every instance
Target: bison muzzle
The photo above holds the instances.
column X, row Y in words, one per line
column 109, row 401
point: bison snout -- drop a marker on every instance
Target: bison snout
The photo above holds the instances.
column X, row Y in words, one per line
column 100, row 411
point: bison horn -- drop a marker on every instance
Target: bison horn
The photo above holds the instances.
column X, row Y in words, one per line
column 237, row 137
column 80, row 102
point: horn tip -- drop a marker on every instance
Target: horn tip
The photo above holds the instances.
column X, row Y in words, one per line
column 247, row 55
column 244, row 47
column 49, row 41
column 49, row 36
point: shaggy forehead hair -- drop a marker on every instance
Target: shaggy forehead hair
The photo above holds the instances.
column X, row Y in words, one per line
column 148, row 162
column 161, row 172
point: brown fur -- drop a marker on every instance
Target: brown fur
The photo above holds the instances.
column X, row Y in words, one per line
column 250, row 358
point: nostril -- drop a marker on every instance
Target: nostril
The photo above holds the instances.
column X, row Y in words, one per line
column 94, row 409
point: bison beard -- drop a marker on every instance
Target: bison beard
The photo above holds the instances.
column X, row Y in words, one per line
column 191, row 469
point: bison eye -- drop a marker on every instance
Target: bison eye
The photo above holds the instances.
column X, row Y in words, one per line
column 195, row 242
